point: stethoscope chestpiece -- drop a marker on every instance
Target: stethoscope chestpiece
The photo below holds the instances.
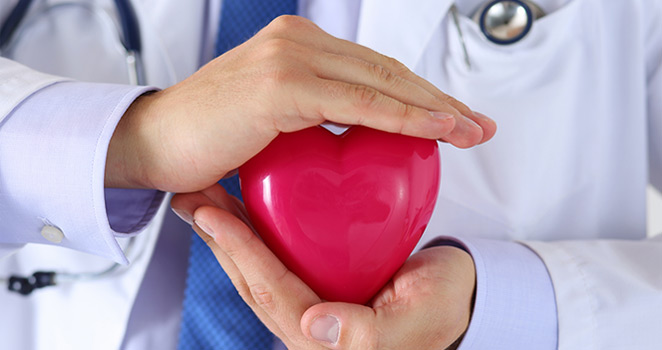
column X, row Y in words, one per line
column 505, row 22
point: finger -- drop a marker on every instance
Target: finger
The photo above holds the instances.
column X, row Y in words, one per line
column 382, row 63
column 299, row 30
column 338, row 46
column 352, row 104
column 188, row 203
column 237, row 280
column 351, row 326
column 359, row 72
column 372, row 106
column 328, row 43
column 468, row 131
column 331, row 324
column 184, row 204
column 489, row 126
column 417, row 310
column 268, row 285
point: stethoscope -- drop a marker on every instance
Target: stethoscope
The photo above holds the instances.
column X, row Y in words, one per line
column 128, row 35
column 502, row 22
column 25, row 285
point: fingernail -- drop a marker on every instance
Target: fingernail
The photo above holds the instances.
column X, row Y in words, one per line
column 205, row 228
column 482, row 116
column 442, row 115
column 472, row 123
column 184, row 216
column 325, row 328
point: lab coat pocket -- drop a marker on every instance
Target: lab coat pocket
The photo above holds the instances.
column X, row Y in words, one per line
column 557, row 32
column 541, row 92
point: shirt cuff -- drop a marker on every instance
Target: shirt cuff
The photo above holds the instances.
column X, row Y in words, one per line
column 514, row 307
column 129, row 211
column 53, row 150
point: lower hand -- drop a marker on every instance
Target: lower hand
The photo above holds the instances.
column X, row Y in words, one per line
column 426, row 305
column 290, row 76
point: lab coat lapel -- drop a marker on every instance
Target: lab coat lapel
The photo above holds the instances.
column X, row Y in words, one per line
column 400, row 29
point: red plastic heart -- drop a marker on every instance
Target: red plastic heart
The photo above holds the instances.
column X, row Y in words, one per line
column 343, row 212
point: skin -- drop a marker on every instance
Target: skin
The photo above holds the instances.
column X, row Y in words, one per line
column 426, row 305
column 289, row 76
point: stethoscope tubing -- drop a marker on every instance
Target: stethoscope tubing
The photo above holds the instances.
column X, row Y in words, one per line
column 127, row 16
column 13, row 21
column 130, row 38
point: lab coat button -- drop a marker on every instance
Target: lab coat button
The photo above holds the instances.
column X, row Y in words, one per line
column 52, row 233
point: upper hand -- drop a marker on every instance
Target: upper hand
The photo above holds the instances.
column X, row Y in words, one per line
column 290, row 76
column 426, row 305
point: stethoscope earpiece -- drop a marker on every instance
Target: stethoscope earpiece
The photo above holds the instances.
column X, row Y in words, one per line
column 505, row 22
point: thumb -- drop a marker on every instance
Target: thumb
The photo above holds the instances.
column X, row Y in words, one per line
column 343, row 326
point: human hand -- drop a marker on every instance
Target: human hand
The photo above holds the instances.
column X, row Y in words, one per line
column 426, row 305
column 290, row 76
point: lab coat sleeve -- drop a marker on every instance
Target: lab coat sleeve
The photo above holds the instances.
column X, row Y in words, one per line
column 17, row 82
column 53, row 143
column 608, row 292
column 514, row 307
column 603, row 294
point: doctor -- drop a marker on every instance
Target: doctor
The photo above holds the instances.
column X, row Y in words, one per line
column 79, row 158
column 579, row 104
column 556, row 172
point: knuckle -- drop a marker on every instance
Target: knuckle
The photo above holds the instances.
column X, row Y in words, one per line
column 231, row 252
column 278, row 62
column 234, row 250
column 397, row 66
column 407, row 114
column 455, row 103
column 451, row 100
column 277, row 71
column 263, row 296
column 368, row 338
column 407, row 111
column 245, row 294
column 276, row 48
column 366, row 97
column 277, row 77
column 383, row 74
column 286, row 23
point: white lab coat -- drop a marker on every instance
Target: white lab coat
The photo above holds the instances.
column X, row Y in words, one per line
column 579, row 109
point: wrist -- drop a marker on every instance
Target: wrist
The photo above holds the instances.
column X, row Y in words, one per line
column 470, row 269
column 514, row 304
column 130, row 159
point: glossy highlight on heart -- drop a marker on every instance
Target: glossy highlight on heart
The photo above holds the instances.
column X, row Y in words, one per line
column 343, row 212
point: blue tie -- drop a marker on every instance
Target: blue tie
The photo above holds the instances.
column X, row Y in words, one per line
column 214, row 316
